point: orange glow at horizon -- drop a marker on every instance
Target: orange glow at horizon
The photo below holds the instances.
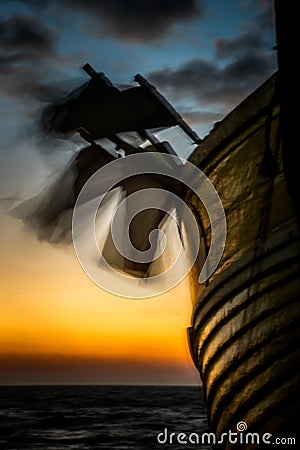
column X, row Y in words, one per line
column 51, row 311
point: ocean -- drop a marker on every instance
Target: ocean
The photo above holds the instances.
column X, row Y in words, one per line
column 100, row 417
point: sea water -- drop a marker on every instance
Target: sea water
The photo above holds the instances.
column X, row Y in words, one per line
column 99, row 417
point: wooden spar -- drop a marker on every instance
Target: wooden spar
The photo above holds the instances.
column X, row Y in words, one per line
column 100, row 110
column 162, row 147
column 98, row 76
column 180, row 122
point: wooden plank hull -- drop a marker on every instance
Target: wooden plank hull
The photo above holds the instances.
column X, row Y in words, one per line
column 244, row 337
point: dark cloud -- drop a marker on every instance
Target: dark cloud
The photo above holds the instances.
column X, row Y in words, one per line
column 62, row 369
column 132, row 20
column 25, row 33
column 265, row 16
column 27, row 48
column 248, row 63
column 247, row 71
column 137, row 20
column 202, row 116
column 187, row 79
column 225, row 86
column 244, row 44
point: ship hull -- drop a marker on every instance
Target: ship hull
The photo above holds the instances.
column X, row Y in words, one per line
column 244, row 334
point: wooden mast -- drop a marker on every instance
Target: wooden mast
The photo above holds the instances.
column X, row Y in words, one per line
column 287, row 86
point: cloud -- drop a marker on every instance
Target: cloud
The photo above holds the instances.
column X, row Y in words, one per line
column 227, row 85
column 25, row 33
column 265, row 16
column 64, row 369
column 134, row 20
column 27, row 49
column 241, row 64
column 201, row 116
column 244, row 44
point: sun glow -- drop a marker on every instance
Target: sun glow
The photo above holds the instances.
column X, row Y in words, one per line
column 51, row 309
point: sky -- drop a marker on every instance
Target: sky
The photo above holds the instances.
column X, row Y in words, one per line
column 56, row 325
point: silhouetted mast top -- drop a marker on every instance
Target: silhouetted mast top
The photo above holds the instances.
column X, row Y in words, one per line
column 286, row 66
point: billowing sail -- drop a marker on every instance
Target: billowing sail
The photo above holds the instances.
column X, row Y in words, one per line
column 101, row 110
column 50, row 212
